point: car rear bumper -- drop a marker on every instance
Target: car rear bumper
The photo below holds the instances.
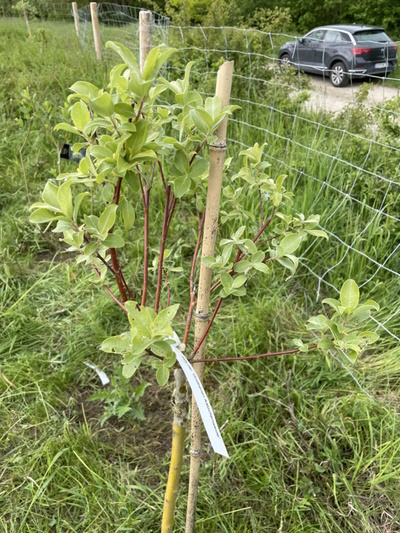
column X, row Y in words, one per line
column 369, row 69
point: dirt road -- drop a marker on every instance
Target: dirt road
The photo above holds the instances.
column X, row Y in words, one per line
column 324, row 95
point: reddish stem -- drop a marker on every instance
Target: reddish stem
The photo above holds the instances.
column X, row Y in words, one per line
column 192, row 291
column 197, row 347
column 197, row 151
column 111, row 293
column 162, row 175
column 139, row 111
column 118, row 274
column 171, row 210
column 119, row 278
column 162, row 248
column 239, row 256
column 270, row 354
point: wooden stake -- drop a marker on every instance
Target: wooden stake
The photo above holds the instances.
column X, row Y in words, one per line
column 76, row 17
column 96, row 29
column 144, row 36
column 217, row 156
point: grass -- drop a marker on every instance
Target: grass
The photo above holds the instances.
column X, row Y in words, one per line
column 310, row 451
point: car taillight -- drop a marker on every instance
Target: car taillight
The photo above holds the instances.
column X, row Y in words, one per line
column 360, row 51
column 394, row 47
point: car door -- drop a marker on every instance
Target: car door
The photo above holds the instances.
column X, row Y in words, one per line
column 306, row 50
column 327, row 48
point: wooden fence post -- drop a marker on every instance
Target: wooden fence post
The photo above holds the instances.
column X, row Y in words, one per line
column 96, row 29
column 144, row 36
column 76, row 17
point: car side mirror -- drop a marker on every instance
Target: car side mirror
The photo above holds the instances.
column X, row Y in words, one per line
column 301, row 40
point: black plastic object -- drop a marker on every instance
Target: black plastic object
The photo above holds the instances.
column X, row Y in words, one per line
column 68, row 153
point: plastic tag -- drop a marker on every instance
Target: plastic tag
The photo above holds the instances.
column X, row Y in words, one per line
column 203, row 403
column 102, row 375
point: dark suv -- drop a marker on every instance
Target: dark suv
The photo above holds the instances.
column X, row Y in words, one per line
column 342, row 52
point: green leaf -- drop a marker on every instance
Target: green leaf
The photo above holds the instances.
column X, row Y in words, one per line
column 119, row 344
column 42, row 215
column 155, row 60
column 125, row 54
column 125, row 110
column 251, row 247
column 85, row 88
column 369, row 336
column 142, row 321
column 49, row 195
column 67, row 127
column 181, row 186
column 161, row 348
column 226, row 281
column 64, row 197
column 290, row 243
column 320, row 323
column 103, row 105
column 351, row 355
column 262, row 267
column 349, row 295
column 107, row 219
column 130, row 368
column 80, row 115
column 132, row 180
column 202, row 120
column 242, row 266
column 165, row 317
column 198, row 167
column 101, row 152
column 208, row 261
column 162, row 375
column 335, row 304
column 326, row 344
column 128, row 213
column 213, row 106
column 77, row 203
column 318, row 233
column 238, row 281
column 239, row 292
column 113, row 240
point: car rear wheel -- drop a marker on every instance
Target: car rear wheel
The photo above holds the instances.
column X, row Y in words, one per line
column 338, row 75
column 284, row 61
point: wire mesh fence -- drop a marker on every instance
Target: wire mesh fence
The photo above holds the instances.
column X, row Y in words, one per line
column 120, row 23
column 339, row 147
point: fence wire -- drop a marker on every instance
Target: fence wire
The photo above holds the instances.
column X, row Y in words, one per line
column 120, row 23
column 339, row 147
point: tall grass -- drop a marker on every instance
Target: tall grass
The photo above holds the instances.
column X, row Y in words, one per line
column 310, row 451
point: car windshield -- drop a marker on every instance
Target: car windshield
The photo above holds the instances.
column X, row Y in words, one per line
column 371, row 36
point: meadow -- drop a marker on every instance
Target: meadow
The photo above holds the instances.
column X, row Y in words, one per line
column 313, row 446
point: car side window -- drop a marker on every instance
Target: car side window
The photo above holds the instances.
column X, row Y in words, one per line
column 344, row 38
column 332, row 36
column 315, row 36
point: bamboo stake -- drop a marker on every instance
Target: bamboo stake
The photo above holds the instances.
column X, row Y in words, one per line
column 144, row 36
column 181, row 413
column 96, row 29
column 217, row 156
column 76, row 17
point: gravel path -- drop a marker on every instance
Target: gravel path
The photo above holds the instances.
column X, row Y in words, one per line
column 324, row 95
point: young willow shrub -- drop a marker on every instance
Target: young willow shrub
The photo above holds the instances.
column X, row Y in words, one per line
column 140, row 148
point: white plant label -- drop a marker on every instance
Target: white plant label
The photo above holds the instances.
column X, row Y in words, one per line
column 102, row 375
column 203, row 403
